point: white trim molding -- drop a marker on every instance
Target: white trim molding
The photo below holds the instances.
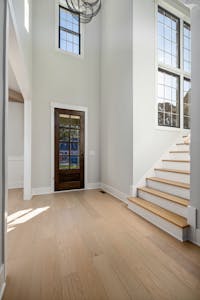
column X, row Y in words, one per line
column 69, row 107
column 27, row 150
column 41, row 191
column 93, row 186
column 194, row 236
column 48, row 190
column 115, row 193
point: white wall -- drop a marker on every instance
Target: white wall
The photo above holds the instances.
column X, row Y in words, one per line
column 15, row 129
column 116, row 95
column 195, row 120
column 62, row 78
column 149, row 143
column 22, row 20
column 15, row 144
column 2, row 142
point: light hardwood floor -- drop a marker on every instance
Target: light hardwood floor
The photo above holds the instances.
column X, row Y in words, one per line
column 88, row 245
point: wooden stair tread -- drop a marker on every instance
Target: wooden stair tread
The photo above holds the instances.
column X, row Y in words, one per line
column 161, row 212
column 176, row 160
column 170, row 182
column 175, row 151
column 172, row 198
column 182, row 144
column 172, row 171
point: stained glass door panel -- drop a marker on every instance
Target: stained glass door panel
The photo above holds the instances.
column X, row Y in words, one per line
column 69, row 149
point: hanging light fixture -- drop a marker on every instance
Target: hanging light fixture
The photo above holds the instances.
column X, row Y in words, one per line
column 87, row 9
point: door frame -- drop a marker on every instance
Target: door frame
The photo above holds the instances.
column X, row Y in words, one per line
column 68, row 107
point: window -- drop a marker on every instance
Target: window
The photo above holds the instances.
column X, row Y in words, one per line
column 187, row 47
column 69, row 31
column 168, row 42
column 174, row 67
column 168, row 99
column 186, row 103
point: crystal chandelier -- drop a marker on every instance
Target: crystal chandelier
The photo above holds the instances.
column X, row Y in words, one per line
column 87, row 9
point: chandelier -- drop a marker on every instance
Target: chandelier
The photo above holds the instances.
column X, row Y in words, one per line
column 87, row 9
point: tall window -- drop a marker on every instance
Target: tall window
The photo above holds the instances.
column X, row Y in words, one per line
column 174, row 66
column 168, row 99
column 187, row 47
column 186, row 103
column 168, row 42
column 69, row 31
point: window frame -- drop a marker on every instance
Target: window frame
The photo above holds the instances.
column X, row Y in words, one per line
column 68, row 30
column 188, row 80
column 184, row 18
column 189, row 26
column 179, row 33
column 179, row 100
column 57, row 33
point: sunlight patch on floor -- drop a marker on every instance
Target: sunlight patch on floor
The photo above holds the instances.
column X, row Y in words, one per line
column 24, row 216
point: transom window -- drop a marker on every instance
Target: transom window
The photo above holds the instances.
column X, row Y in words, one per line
column 174, row 67
column 69, row 31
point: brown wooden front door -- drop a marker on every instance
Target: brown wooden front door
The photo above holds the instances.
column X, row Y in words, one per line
column 69, row 149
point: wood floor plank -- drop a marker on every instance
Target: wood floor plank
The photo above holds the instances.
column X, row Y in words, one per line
column 88, row 245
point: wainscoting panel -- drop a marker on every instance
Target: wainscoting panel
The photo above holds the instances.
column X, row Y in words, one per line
column 15, row 172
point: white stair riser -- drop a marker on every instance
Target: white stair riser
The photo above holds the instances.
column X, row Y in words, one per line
column 173, row 176
column 174, row 190
column 176, row 165
column 180, row 156
column 169, row 205
column 177, row 232
column 182, row 148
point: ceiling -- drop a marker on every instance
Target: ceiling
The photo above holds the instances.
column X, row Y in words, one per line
column 190, row 3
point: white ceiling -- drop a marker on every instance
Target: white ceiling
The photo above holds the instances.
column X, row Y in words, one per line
column 190, row 3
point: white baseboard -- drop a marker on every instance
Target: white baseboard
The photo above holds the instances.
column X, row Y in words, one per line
column 90, row 186
column 48, row 190
column 15, row 185
column 115, row 193
column 194, row 236
column 2, row 281
column 41, row 191
column 93, row 186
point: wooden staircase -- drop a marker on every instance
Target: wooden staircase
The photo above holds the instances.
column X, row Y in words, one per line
column 165, row 198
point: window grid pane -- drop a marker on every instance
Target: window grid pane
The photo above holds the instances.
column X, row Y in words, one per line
column 69, row 142
column 168, row 99
column 187, row 47
column 186, row 103
column 69, row 31
column 168, row 38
